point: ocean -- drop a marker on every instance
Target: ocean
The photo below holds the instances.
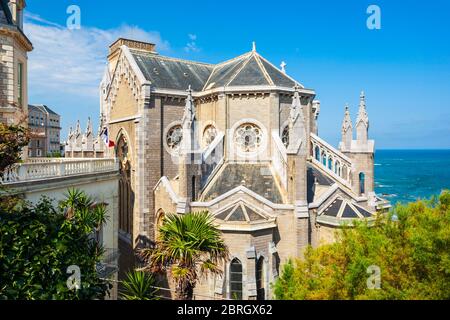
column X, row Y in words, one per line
column 407, row 175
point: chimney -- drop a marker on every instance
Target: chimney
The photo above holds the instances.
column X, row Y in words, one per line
column 114, row 49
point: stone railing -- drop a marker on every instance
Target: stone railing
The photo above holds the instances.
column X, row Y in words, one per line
column 331, row 160
column 212, row 157
column 55, row 168
column 279, row 159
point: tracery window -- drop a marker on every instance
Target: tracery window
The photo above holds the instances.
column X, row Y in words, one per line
column 285, row 136
column 174, row 137
column 248, row 137
column 209, row 134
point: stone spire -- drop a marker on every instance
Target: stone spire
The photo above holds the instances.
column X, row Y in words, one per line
column 70, row 133
column 89, row 127
column 297, row 129
column 100, row 124
column 78, row 129
column 190, row 141
column 362, row 121
column 254, row 46
column 347, row 129
column 362, row 113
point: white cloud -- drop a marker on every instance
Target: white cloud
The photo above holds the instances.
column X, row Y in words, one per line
column 191, row 46
column 66, row 66
column 73, row 61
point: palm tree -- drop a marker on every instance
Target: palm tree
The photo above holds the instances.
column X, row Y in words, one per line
column 188, row 247
column 139, row 285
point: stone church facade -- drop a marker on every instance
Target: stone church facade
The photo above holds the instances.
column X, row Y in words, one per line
column 237, row 139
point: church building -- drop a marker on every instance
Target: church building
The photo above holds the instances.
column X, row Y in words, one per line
column 238, row 139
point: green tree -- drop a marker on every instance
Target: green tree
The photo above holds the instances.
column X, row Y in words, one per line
column 12, row 139
column 188, row 247
column 138, row 285
column 410, row 246
column 39, row 242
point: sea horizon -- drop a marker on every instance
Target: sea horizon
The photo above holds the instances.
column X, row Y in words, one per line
column 405, row 175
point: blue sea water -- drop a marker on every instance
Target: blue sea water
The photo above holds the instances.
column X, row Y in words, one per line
column 407, row 175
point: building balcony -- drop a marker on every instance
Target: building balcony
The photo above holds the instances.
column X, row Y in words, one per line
column 35, row 169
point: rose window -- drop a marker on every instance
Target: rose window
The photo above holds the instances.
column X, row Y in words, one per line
column 174, row 137
column 209, row 135
column 248, row 137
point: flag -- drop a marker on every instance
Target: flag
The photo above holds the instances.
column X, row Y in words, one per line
column 105, row 137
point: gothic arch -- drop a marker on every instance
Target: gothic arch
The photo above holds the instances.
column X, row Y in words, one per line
column 123, row 134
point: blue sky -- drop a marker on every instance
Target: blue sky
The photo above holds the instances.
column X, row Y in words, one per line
column 404, row 68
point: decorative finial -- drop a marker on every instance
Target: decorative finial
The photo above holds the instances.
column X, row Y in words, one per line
column 254, row 46
column 283, row 66
column 347, row 122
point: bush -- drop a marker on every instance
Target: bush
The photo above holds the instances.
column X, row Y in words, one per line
column 39, row 242
column 411, row 247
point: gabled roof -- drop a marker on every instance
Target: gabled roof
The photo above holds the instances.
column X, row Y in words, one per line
column 5, row 13
column 249, row 69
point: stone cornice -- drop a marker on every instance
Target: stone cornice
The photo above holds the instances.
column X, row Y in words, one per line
column 233, row 90
column 18, row 35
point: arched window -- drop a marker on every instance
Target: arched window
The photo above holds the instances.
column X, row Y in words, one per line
column 260, row 279
column 317, row 153
column 336, row 168
column 330, row 163
column 193, row 188
column 362, row 182
column 324, row 158
column 236, row 280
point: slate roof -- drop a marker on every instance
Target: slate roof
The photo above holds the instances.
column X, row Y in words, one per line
column 314, row 175
column 169, row 73
column 5, row 13
column 42, row 108
column 343, row 208
column 249, row 69
column 256, row 177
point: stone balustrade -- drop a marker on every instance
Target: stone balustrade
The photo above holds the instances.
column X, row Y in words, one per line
column 48, row 168
column 331, row 160
column 212, row 157
column 279, row 159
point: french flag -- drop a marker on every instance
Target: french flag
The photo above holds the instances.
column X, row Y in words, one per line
column 105, row 137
